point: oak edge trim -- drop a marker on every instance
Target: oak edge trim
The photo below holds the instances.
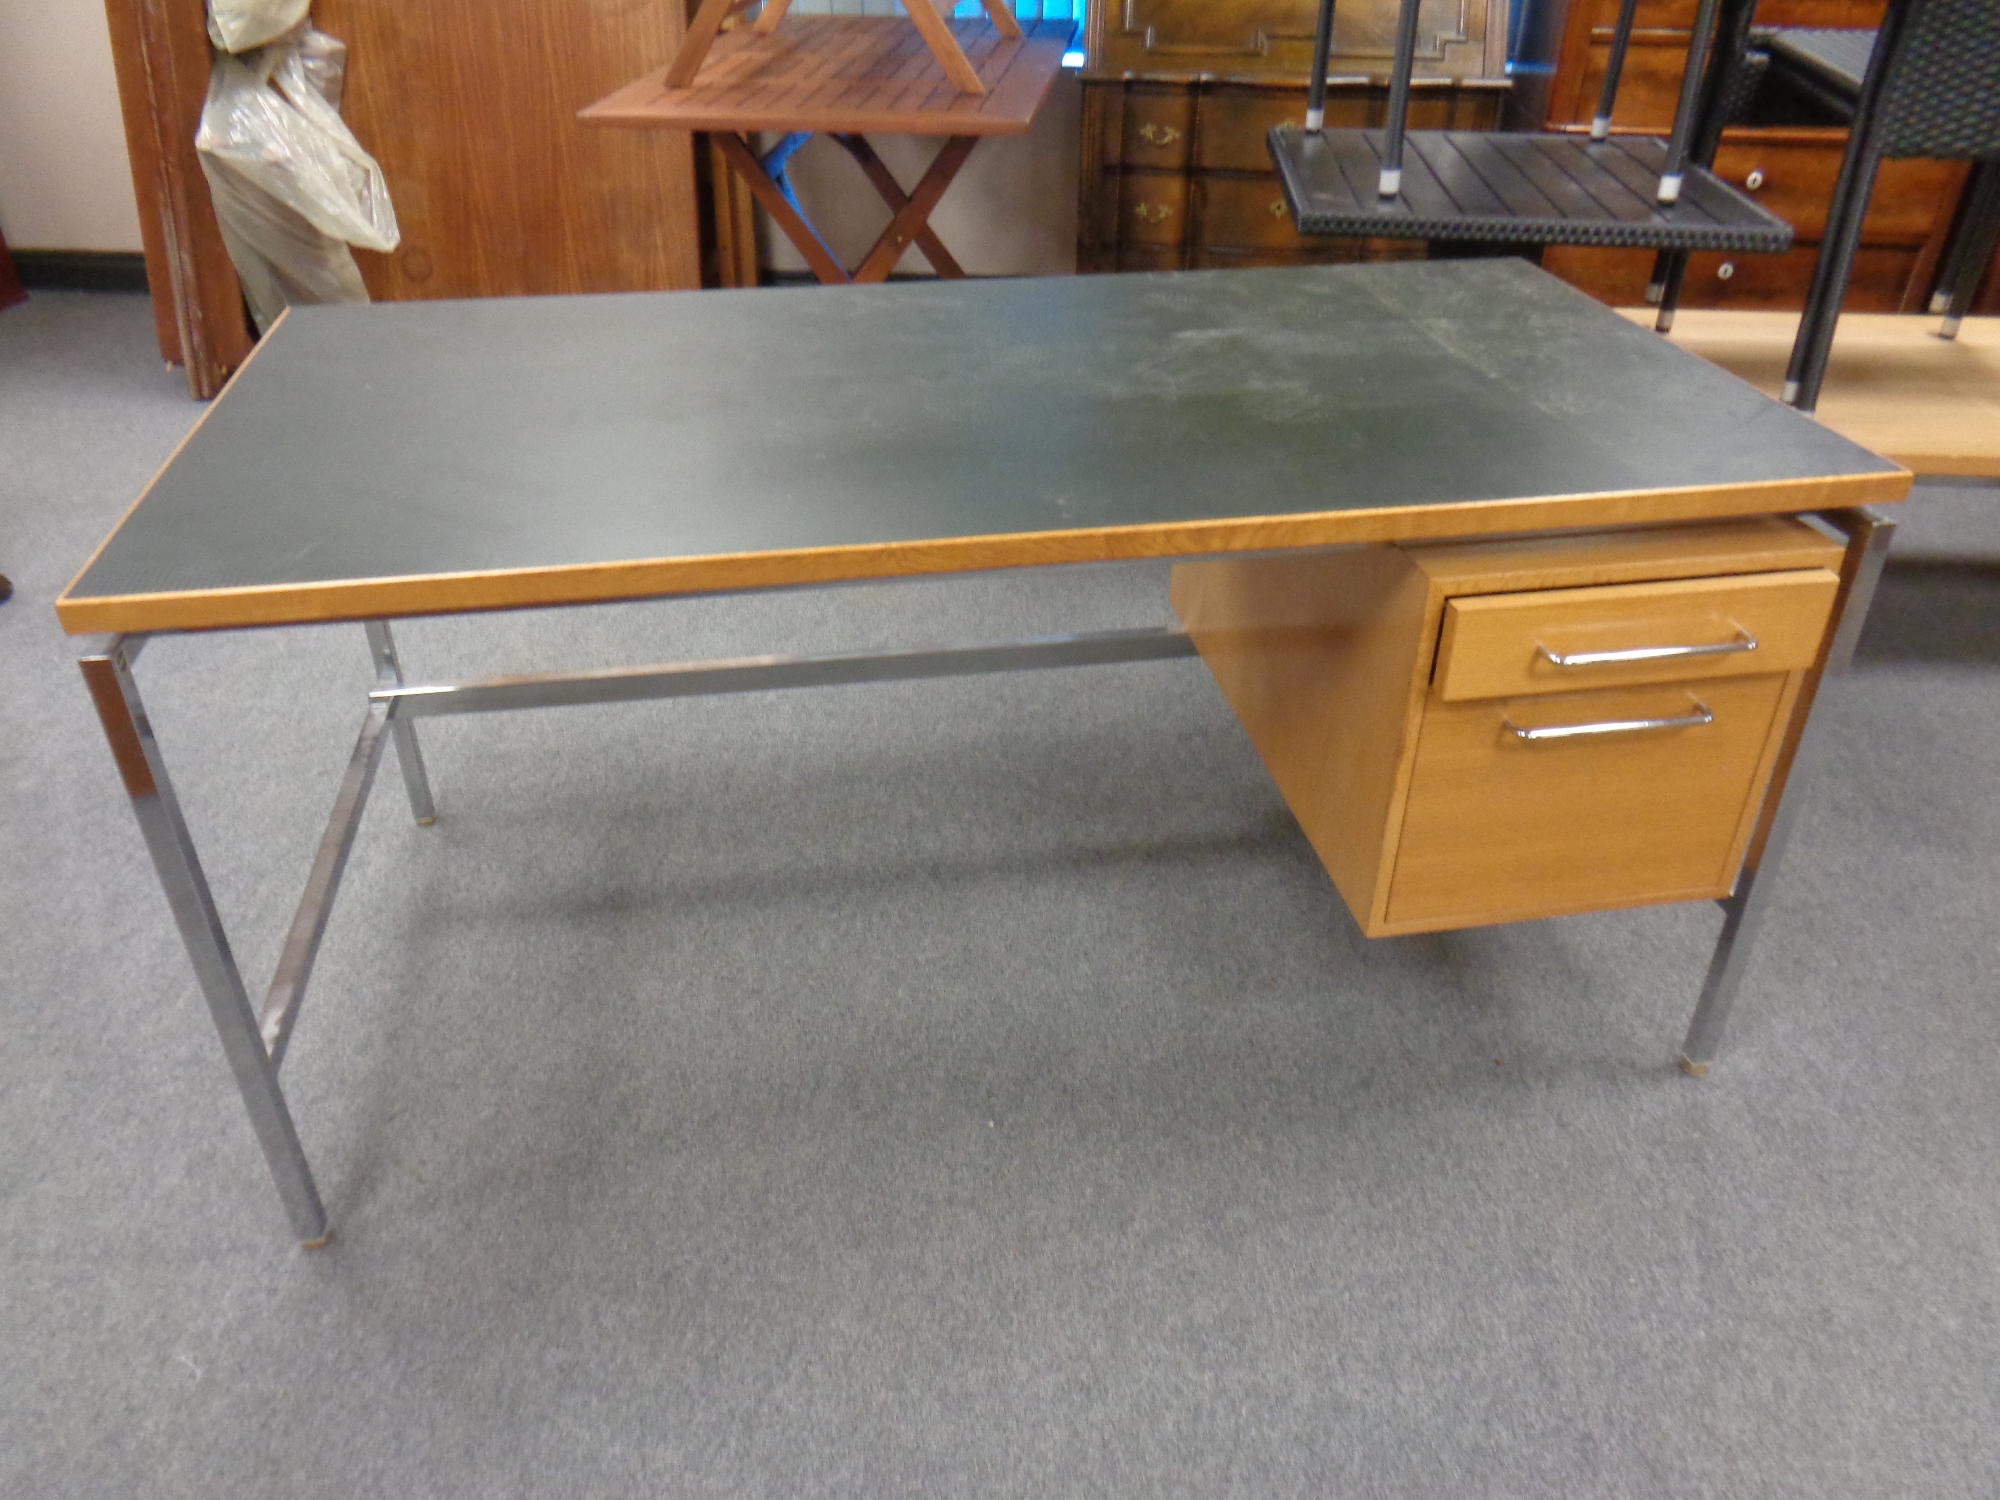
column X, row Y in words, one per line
column 208, row 410
column 328, row 601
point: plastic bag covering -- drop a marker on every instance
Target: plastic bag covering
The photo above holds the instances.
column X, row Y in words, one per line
column 289, row 181
column 239, row 25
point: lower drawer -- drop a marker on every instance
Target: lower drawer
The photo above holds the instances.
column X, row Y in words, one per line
column 1499, row 826
column 1884, row 279
column 1249, row 213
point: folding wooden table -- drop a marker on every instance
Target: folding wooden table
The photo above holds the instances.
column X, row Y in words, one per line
column 847, row 77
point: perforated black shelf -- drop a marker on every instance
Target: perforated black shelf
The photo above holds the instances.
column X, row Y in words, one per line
column 1507, row 188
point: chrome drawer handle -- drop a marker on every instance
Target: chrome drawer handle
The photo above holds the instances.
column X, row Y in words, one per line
column 1695, row 720
column 1744, row 642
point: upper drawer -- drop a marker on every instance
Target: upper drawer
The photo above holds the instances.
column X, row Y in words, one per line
column 1158, row 127
column 1559, row 640
column 1794, row 180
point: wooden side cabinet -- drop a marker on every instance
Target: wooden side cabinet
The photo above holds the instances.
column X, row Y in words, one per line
column 1495, row 731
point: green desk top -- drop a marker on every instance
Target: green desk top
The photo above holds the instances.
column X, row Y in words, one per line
column 427, row 457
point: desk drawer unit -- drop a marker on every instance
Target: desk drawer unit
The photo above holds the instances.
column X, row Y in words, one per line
column 1500, row 731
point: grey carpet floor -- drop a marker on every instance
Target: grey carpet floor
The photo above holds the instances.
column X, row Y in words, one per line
column 955, row 1089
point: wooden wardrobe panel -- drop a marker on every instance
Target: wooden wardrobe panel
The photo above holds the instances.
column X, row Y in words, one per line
column 470, row 107
column 159, row 49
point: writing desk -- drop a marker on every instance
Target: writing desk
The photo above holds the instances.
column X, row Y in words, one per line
column 435, row 457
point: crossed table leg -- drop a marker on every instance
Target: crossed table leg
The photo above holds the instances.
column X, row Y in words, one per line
column 765, row 177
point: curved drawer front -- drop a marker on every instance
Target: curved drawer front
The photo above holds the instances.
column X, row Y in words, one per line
column 1563, row 640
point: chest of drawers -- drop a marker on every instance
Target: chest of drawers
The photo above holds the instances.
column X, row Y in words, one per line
column 1179, row 96
column 1494, row 731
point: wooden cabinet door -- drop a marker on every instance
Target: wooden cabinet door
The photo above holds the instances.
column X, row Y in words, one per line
column 470, row 107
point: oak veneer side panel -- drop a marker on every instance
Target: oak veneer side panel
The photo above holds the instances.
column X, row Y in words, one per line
column 161, row 57
column 471, row 111
column 1318, row 656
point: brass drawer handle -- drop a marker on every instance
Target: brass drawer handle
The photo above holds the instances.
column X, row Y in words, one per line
column 1755, row 180
column 1744, row 642
column 1153, row 213
column 1158, row 135
column 1695, row 720
column 1278, row 208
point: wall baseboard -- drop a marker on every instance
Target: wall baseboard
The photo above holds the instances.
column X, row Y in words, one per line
column 81, row 270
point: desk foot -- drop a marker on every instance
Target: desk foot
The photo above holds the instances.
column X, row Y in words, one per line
column 319, row 1244
column 1694, row 1069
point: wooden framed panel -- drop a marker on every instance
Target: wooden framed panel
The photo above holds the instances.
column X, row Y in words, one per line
column 471, row 111
column 160, row 52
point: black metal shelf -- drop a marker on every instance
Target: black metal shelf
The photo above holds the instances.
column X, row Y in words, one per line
column 1521, row 189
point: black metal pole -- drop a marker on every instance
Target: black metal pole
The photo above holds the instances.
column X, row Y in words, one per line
column 1971, row 247
column 1670, row 266
column 1843, row 223
column 1689, row 106
column 1621, row 37
column 1322, row 51
column 1399, row 101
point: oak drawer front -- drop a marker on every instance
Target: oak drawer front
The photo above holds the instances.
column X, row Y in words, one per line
column 1498, row 828
column 1564, row 640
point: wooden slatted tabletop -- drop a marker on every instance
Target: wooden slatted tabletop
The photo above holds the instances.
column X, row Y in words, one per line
column 850, row 74
column 1513, row 188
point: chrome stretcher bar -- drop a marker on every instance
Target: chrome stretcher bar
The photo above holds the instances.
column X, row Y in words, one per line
column 255, row 1039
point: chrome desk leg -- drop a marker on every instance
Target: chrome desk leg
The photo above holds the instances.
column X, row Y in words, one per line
column 108, row 674
column 389, row 673
column 1868, row 534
